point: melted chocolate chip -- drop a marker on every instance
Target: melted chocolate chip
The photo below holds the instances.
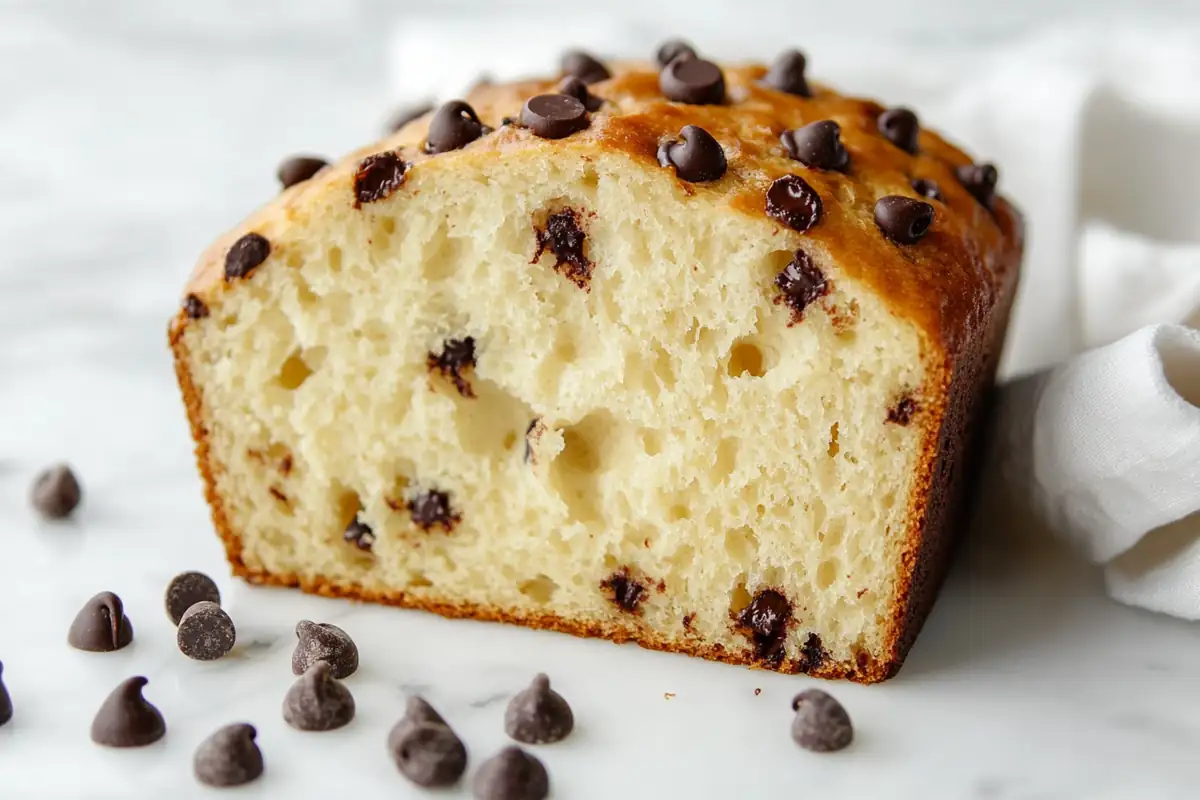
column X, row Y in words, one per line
column 317, row 702
column 554, row 116
column 801, row 283
column 587, row 68
column 101, row 625
column 298, row 169
column 624, row 590
column 404, row 116
column 812, row 653
column 454, row 126
column 904, row 410
column 359, row 534
column 538, row 715
column 903, row 219
column 429, row 755
column 900, row 127
column 185, row 590
column 432, row 510
column 194, row 307
column 821, row 724
column 766, row 621
column 246, row 255
column 980, row 180
column 787, row 74
column 928, row 188
column 573, row 87
column 672, row 49
column 817, row 145
column 455, row 360
column 229, row 757
column 6, row 708
column 564, row 236
column 126, row 719
column 511, row 774
column 792, row 201
column 377, row 177
column 320, row 641
column 56, row 492
column 694, row 81
column 206, row 632
column 696, row 156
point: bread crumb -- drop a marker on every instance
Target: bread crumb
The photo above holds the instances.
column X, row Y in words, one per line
column 668, row 695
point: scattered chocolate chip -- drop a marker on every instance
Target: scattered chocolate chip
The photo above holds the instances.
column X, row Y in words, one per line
column 429, row 754
column 511, row 774
column 801, row 282
column 126, row 720
column 554, row 116
column 695, row 155
column 405, row 115
column 587, row 68
column 298, row 169
column 694, row 81
column 787, row 74
column 322, row 642
column 903, row 219
column 927, row 188
column 817, row 145
column 377, row 177
column 672, row 49
column 456, row 358
column 185, row 590
column 359, row 534
column 624, row 590
column 812, row 653
column 792, row 201
column 980, row 180
column 101, row 625
column 563, row 235
column 229, row 757
column 6, row 708
column 538, row 715
column 766, row 620
column 56, row 492
column 900, row 127
column 821, row 724
column 194, row 307
column 573, row 87
column 317, row 702
column 246, row 254
column 416, row 712
column 904, row 410
column 206, row 632
column 455, row 125
column 432, row 510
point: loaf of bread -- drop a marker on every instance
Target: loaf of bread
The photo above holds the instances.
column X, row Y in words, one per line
column 677, row 353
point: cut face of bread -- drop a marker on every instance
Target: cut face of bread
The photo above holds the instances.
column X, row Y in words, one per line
column 547, row 381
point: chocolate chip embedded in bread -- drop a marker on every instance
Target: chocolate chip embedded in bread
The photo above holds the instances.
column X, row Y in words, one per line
column 766, row 621
column 185, row 590
column 563, row 235
column 812, row 654
column 980, row 180
column 817, row 145
column 554, row 116
column 900, row 127
column 696, row 156
column 403, row 116
column 126, row 719
column 194, row 307
column 587, row 68
column 624, row 590
column 792, row 201
column 455, row 362
column 56, row 492
column 821, row 724
column 320, row 641
column 431, row 510
column 455, row 125
column 694, row 81
column 538, row 715
column 786, row 74
column 928, row 188
column 903, row 219
column 511, row 774
column 801, row 283
column 318, row 702
column 246, row 255
column 359, row 534
column 298, row 169
column 672, row 49
column 903, row 411
column 101, row 625
column 573, row 87
column 377, row 177
column 229, row 757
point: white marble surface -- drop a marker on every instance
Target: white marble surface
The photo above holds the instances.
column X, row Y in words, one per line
column 126, row 141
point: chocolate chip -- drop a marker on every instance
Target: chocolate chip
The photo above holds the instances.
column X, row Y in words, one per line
column 455, row 360
column 126, row 720
column 817, row 145
column 573, row 87
column 554, row 116
column 194, row 307
column 624, row 590
column 563, row 235
column 322, row 642
column 246, row 255
column 903, row 219
column 538, row 715
column 792, row 201
column 695, row 155
column 416, row 712
column 229, row 757
column 903, row 412
column 511, row 774
column 56, row 492
column 455, row 125
column 821, row 724
column 185, row 590
column 801, row 282
column 432, row 510
column 317, row 702
column 359, row 534
column 583, row 66
column 672, row 49
column 429, row 754
column 766, row 620
column 812, row 654
column 900, row 127
column 927, row 188
column 298, row 169
column 787, row 74
column 377, row 177
column 206, row 632
column 405, row 115
column 533, row 423
column 101, row 625
column 980, row 180
column 692, row 80
column 6, row 708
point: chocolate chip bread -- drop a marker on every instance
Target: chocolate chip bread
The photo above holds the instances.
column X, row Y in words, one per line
column 681, row 354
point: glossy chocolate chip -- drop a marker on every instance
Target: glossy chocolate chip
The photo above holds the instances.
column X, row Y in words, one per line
column 454, row 363
column 900, row 127
column 587, row 68
column 980, row 180
column 821, row 723
column 692, row 80
column 672, row 49
column 194, row 307
column 318, row 702
column 554, row 116
column 801, row 282
column 573, row 87
column 928, row 188
column 246, row 255
column 185, row 590
column 56, row 492
column 429, row 754
column 431, row 510
column 359, row 534
column 817, row 145
column 903, row 219
column 377, row 177
column 454, row 125
column 126, row 720
column 101, row 625
column 298, row 169
column 229, row 757
column 6, row 707
column 792, row 201
column 511, row 774
column 321, row 642
column 405, row 115
column 696, row 156
column 538, row 715
column 205, row 632
column 766, row 619
column 786, row 74
column 416, row 712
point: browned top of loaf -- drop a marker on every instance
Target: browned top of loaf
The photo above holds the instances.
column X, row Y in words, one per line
column 947, row 283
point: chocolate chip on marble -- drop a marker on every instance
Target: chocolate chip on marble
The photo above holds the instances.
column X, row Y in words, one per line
column 584, row 66
column 766, row 620
column 298, row 169
column 511, row 774
column 101, row 625
column 538, row 715
column 229, row 757
column 405, row 115
column 454, row 362
column 318, row 702
column 786, row 74
column 903, row 219
column 564, row 236
column 246, row 254
column 359, row 534
column 432, row 509
column 206, row 632
column 194, row 307
column 793, row 202
column 429, row 754
column 56, row 492
column 821, row 724
column 573, row 87
column 900, row 127
column 802, row 283
column 416, row 712
column 554, row 116
column 980, row 180
column 672, row 49
column 928, row 188
column 625, row 591
column 185, row 590
column 817, row 145
column 6, row 707
column 322, row 642
column 455, row 125
column 694, row 81
column 696, row 156
column 378, row 176
column 125, row 719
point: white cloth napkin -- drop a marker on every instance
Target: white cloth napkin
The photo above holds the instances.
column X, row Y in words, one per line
column 1096, row 130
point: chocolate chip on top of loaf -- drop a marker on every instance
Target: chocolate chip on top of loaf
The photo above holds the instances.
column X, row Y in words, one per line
column 753, row 318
